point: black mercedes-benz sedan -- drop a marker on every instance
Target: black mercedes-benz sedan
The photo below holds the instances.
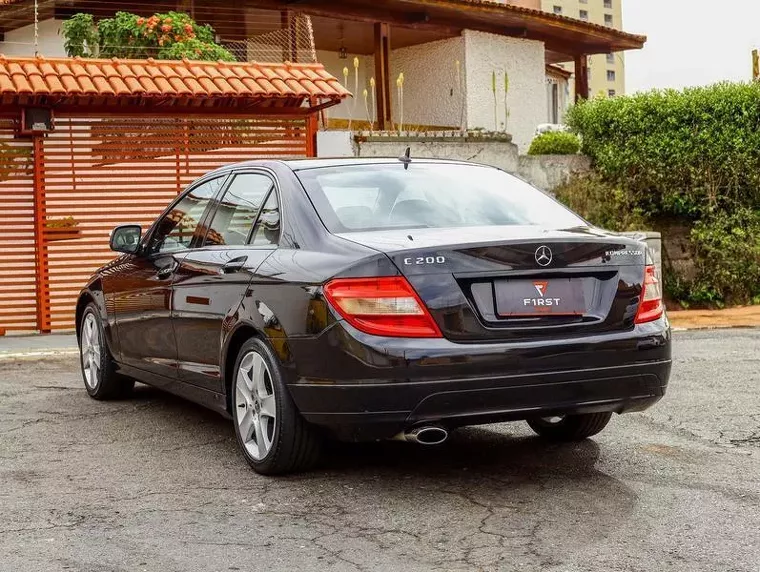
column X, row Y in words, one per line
column 366, row 299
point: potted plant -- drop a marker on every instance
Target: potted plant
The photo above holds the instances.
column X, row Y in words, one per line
column 62, row 229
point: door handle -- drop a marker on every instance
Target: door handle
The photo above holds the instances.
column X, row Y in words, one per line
column 166, row 271
column 234, row 265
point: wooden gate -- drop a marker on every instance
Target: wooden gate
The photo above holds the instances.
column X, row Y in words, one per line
column 62, row 194
column 18, row 293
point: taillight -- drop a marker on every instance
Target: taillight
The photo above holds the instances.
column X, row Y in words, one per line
column 650, row 307
column 386, row 306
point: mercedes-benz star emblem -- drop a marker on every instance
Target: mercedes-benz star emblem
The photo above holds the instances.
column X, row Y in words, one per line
column 543, row 256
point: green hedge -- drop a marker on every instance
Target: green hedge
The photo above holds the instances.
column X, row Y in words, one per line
column 691, row 156
column 555, row 143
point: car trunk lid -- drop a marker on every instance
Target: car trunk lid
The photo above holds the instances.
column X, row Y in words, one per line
column 496, row 283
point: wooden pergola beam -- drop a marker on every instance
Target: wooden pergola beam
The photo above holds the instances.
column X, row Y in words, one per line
column 382, row 75
column 581, row 78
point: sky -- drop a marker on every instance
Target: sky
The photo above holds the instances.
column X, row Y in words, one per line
column 691, row 42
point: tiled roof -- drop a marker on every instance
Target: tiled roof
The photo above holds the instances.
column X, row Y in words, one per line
column 99, row 79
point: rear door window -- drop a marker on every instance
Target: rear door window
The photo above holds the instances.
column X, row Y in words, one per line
column 266, row 232
column 238, row 209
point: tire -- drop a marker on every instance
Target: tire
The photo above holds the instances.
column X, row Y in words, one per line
column 101, row 380
column 271, row 433
column 570, row 427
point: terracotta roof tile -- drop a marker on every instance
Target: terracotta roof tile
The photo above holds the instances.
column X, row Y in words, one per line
column 126, row 71
column 6, row 85
column 71, row 85
column 253, row 86
column 134, row 85
column 150, row 86
column 103, row 87
column 167, row 79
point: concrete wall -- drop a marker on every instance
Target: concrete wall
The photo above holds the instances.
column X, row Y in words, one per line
column 497, row 152
column 335, row 143
column 545, row 172
column 550, row 171
column 524, row 61
column 20, row 42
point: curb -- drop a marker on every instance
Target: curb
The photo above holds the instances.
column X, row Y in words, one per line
column 28, row 355
column 709, row 328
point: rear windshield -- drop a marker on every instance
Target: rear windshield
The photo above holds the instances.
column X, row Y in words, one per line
column 359, row 198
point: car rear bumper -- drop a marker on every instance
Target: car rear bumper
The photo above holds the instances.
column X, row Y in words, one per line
column 364, row 388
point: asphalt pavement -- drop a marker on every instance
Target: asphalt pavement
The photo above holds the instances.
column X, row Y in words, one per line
column 156, row 484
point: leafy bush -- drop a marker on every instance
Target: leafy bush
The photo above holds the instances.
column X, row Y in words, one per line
column 691, row 156
column 728, row 257
column 173, row 36
column 602, row 204
column 682, row 153
column 555, row 143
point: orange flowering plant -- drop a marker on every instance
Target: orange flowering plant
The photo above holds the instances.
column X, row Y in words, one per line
column 171, row 36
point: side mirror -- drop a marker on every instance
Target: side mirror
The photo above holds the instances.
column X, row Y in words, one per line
column 126, row 238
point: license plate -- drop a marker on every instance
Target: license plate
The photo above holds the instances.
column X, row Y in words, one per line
column 554, row 297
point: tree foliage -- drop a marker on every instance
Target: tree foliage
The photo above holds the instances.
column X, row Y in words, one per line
column 169, row 36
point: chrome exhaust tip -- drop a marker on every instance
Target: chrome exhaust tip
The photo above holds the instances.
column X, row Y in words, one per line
column 427, row 435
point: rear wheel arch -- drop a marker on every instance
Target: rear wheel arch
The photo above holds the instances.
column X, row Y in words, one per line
column 253, row 321
column 241, row 335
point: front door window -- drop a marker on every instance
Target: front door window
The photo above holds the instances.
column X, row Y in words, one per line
column 175, row 231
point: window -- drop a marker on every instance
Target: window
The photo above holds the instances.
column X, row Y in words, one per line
column 553, row 101
column 584, row 1
column 610, row 58
column 428, row 195
column 608, row 4
column 608, row 19
column 611, row 93
column 267, row 229
column 584, row 15
column 610, row 75
column 175, row 231
column 237, row 210
column 558, row 9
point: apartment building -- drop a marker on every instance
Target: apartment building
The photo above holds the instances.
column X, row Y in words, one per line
column 606, row 71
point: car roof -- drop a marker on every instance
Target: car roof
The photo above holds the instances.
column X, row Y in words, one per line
column 321, row 163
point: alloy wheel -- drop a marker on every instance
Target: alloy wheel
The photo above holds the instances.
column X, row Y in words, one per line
column 90, row 351
column 256, row 405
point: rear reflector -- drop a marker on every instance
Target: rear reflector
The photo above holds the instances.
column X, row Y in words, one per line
column 650, row 307
column 386, row 306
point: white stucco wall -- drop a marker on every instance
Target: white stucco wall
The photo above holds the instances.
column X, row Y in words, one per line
column 524, row 61
column 432, row 95
column 20, row 42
